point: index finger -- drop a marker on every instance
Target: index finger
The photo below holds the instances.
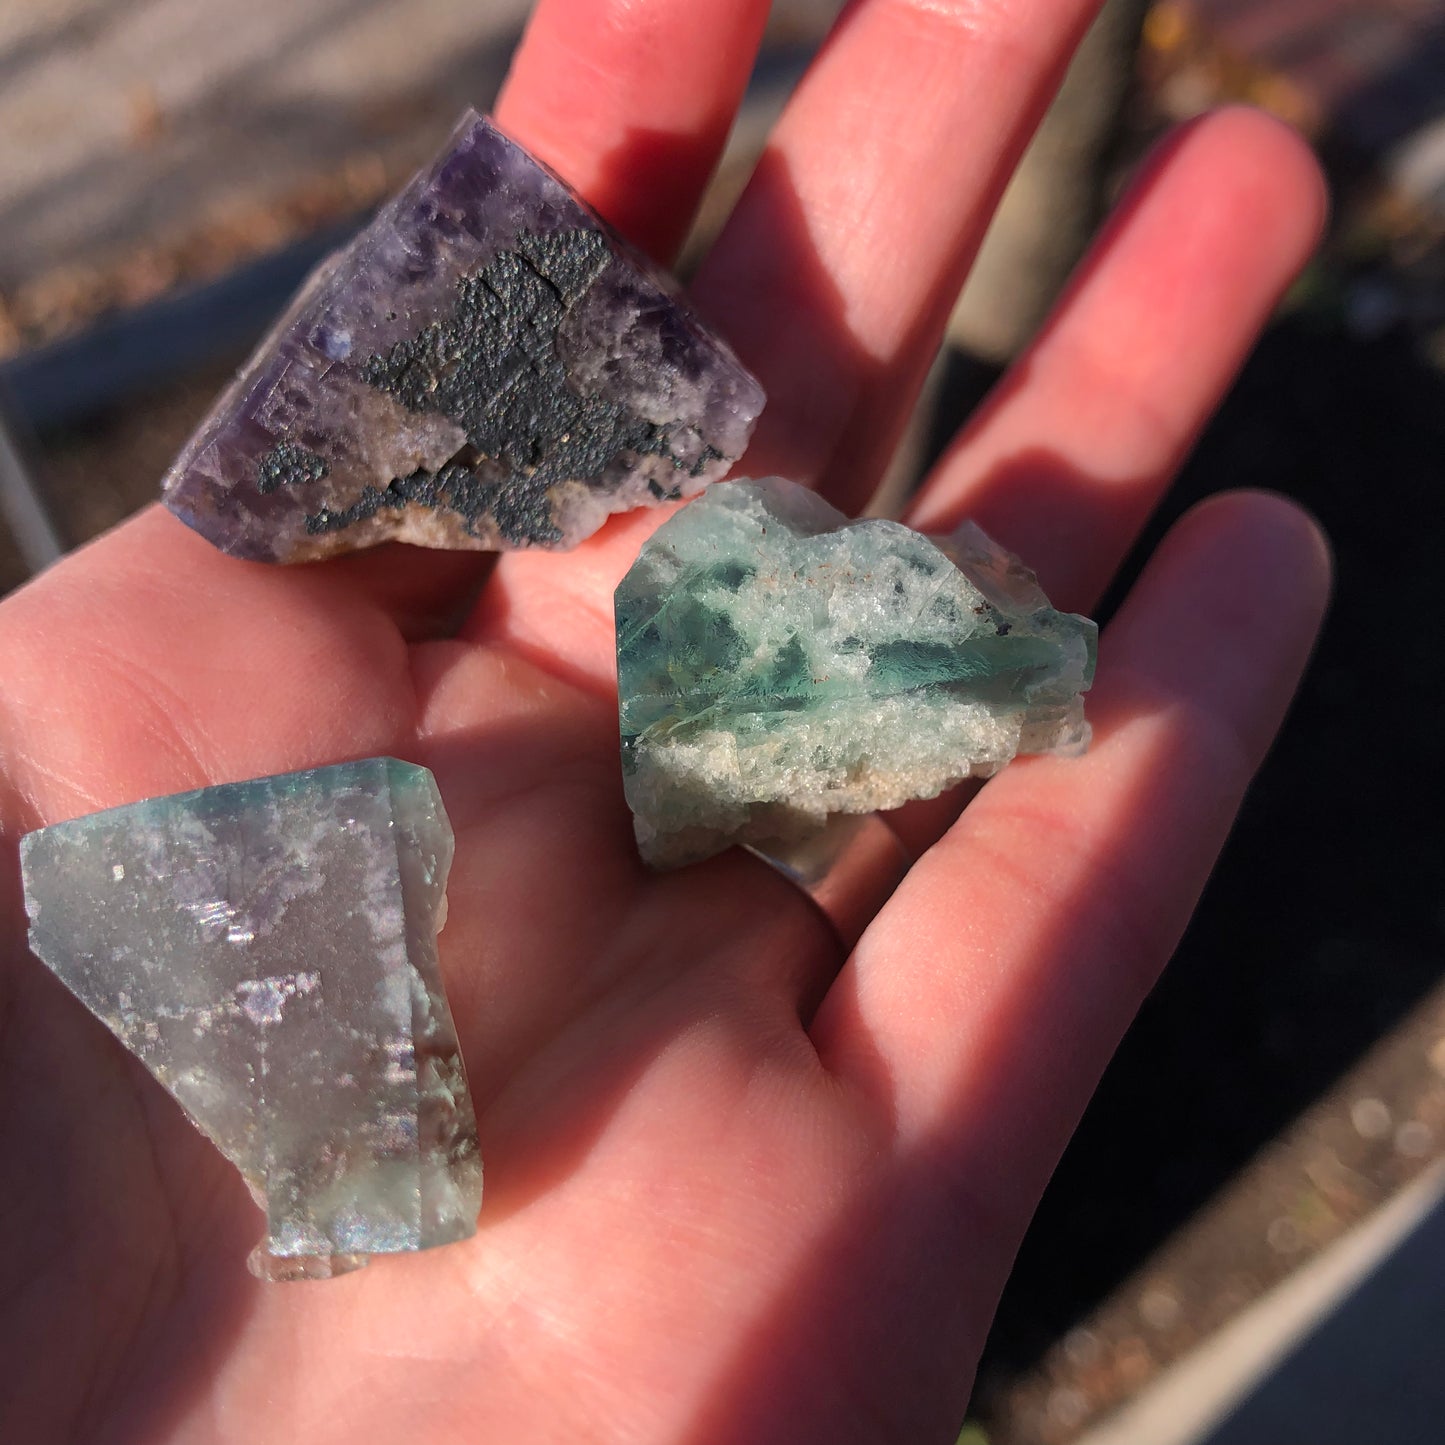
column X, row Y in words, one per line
column 980, row 1007
column 632, row 103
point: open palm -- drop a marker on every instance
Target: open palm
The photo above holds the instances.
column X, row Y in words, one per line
column 741, row 1185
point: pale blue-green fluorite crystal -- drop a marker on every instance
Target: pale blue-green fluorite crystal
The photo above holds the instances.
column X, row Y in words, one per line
column 778, row 663
column 268, row 951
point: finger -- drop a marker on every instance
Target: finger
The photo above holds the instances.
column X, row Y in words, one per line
column 1067, row 460
column 1075, row 449
column 632, row 100
column 836, row 273
column 985, row 1000
column 1082, row 439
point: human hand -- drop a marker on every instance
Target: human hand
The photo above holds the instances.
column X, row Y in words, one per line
column 740, row 1188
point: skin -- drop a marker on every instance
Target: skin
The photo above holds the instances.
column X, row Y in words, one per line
column 741, row 1184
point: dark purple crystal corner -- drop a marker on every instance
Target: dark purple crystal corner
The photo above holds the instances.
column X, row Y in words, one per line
column 487, row 366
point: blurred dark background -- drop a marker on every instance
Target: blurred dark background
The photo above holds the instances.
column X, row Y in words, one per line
column 169, row 169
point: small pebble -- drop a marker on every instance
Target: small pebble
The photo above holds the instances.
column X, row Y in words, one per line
column 1082, row 1348
column 1067, row 1407
column 1159, row 1309
column 1414, row 1140
column 1283, row 1236
column 1371, row 1118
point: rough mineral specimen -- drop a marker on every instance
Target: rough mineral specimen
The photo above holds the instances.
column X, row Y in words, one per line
column 486, row 366
column 268, row 951
column 778, row 663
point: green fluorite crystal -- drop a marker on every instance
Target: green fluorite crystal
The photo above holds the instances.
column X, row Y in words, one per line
column 778, row 663
column 268, row 951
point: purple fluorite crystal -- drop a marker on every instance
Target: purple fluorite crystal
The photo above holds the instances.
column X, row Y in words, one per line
column 486, row 366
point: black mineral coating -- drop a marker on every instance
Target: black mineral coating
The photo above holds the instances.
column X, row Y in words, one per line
column 493, row 367
column 289, row 465
column 520, row 507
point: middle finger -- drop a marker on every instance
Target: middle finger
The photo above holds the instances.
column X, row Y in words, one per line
column 835, row 275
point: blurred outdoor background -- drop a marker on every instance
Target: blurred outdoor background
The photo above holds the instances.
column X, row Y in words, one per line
column 1245, row 1242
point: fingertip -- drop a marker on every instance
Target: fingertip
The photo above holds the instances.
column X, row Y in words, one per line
column 1250, row 174
column 1225, row 212
column 632, row 103
column 1223, row 620
column 1151, row 331
column 1274, row 536
column 1274, row 160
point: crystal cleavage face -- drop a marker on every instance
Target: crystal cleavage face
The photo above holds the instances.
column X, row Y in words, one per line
column 486, row 366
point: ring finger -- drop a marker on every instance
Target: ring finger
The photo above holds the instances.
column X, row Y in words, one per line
column 1074, row 450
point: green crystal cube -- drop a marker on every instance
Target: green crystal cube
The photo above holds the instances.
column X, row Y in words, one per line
column 268, row 951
